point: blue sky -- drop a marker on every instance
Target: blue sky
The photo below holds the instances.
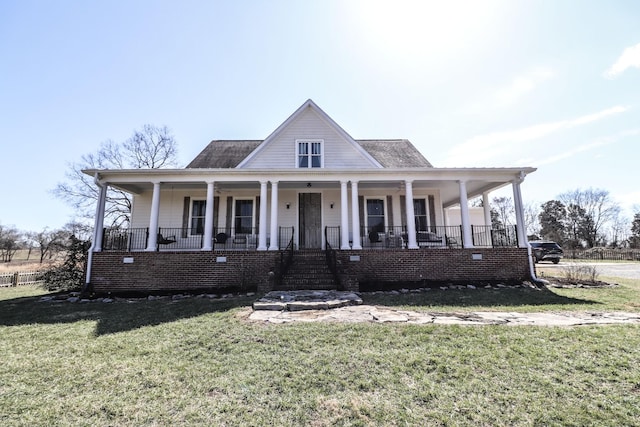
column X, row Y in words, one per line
column 549, row 84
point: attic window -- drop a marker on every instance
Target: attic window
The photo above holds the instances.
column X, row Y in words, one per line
column 309, row 153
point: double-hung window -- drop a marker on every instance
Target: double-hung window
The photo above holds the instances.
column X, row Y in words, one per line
column 375, row 215
column 198, row 209
column 309, row 153
column 420, row 214
column 243, row 219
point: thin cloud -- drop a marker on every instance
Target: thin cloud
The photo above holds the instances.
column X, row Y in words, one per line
column 522, row 85
column 630, row 58
column 484, row 147
column 595, row 144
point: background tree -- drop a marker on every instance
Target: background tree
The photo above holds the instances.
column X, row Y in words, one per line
column 576, row 225
column 552, row 219
column 531, row 222
column 504, row 211
column 10, row 242
column 590, row 211
column 69, row 276
column 618, row 232
column 150, row 148
column 634, row 240
column 49, row 242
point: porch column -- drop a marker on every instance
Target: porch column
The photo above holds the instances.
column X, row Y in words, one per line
column 412, row 242
column 262, row 231
column 486, row 205
column 344, row 216
column 208, row 219
column 153, row 218
column 273, row 245
column 517, row 202
column 467, row 237
column 355, row 216
column 99, row 222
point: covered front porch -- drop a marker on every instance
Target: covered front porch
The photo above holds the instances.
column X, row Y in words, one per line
column 244, row 210
column 229, row 239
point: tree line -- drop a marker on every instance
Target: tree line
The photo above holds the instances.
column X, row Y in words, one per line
column 581, row 218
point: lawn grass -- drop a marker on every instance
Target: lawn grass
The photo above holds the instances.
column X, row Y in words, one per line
column 623, row 297
column 200, row 362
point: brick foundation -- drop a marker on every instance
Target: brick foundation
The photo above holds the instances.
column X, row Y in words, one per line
column 389, row 269
column 180, row 271
column 200, row 271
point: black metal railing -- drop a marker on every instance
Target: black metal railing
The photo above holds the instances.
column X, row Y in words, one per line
column 124, row 239
column 229, row 238
column 487, row 236
column 440, row 236
column 332, row 236
column 383, row 237
column 286, row 255
column 330, row 254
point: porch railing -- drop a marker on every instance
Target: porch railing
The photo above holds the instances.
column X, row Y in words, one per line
column 286, row 255
column 439, row 236
column 224, row 238
column 383, row 237
column 487, row 236
column 330, row 253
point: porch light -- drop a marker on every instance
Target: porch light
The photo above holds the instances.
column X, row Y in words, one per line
column 331, row 205
column 288, row 205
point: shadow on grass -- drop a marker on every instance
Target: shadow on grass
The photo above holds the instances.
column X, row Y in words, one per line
column 112, row 317
column 506, row 297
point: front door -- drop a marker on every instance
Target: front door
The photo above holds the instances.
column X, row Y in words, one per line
column 310, row 222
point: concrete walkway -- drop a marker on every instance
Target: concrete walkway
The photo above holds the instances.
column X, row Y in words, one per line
column 347, row 307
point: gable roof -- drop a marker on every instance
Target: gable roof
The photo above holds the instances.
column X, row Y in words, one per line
column 381, row 153
column 309, row 104
column 390, row 153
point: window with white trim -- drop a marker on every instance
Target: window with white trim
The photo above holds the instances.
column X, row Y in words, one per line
column 420, row 214
column 198, row 209
column 243, row 216
column 375, row 215
column 309, row 153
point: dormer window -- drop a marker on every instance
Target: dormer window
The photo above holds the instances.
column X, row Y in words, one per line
column 309, row 153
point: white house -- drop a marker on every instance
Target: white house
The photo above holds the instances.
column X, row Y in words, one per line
column 308, row 187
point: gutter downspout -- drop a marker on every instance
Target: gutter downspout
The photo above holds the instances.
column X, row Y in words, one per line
column 532, row 271
column 99, row 210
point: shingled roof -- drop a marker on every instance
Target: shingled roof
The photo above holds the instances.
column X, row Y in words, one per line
column 394, row 153
column 223, row 154
column 390, row 153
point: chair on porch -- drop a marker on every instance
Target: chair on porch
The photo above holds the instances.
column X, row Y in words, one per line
column 166, row 240
column 220, row 238
column 374, row 239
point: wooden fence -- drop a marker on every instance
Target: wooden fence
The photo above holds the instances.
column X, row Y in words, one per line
column 20, row 278
column 603, row 254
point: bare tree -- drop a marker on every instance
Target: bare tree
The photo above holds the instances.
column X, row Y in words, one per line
column 593, row 209
column 531, row 211
column 152, row 147
column 504, row 210
column 49, row 242
column 618, row 232
column 10, row 242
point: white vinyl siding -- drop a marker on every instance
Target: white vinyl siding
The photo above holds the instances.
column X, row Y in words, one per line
column 282, row 151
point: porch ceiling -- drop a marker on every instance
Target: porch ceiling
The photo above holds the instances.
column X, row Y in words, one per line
column 444, row 180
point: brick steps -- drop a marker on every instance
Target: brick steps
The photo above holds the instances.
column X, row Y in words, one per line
column 308, row 271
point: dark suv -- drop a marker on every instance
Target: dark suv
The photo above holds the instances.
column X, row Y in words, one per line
column 542, row 250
